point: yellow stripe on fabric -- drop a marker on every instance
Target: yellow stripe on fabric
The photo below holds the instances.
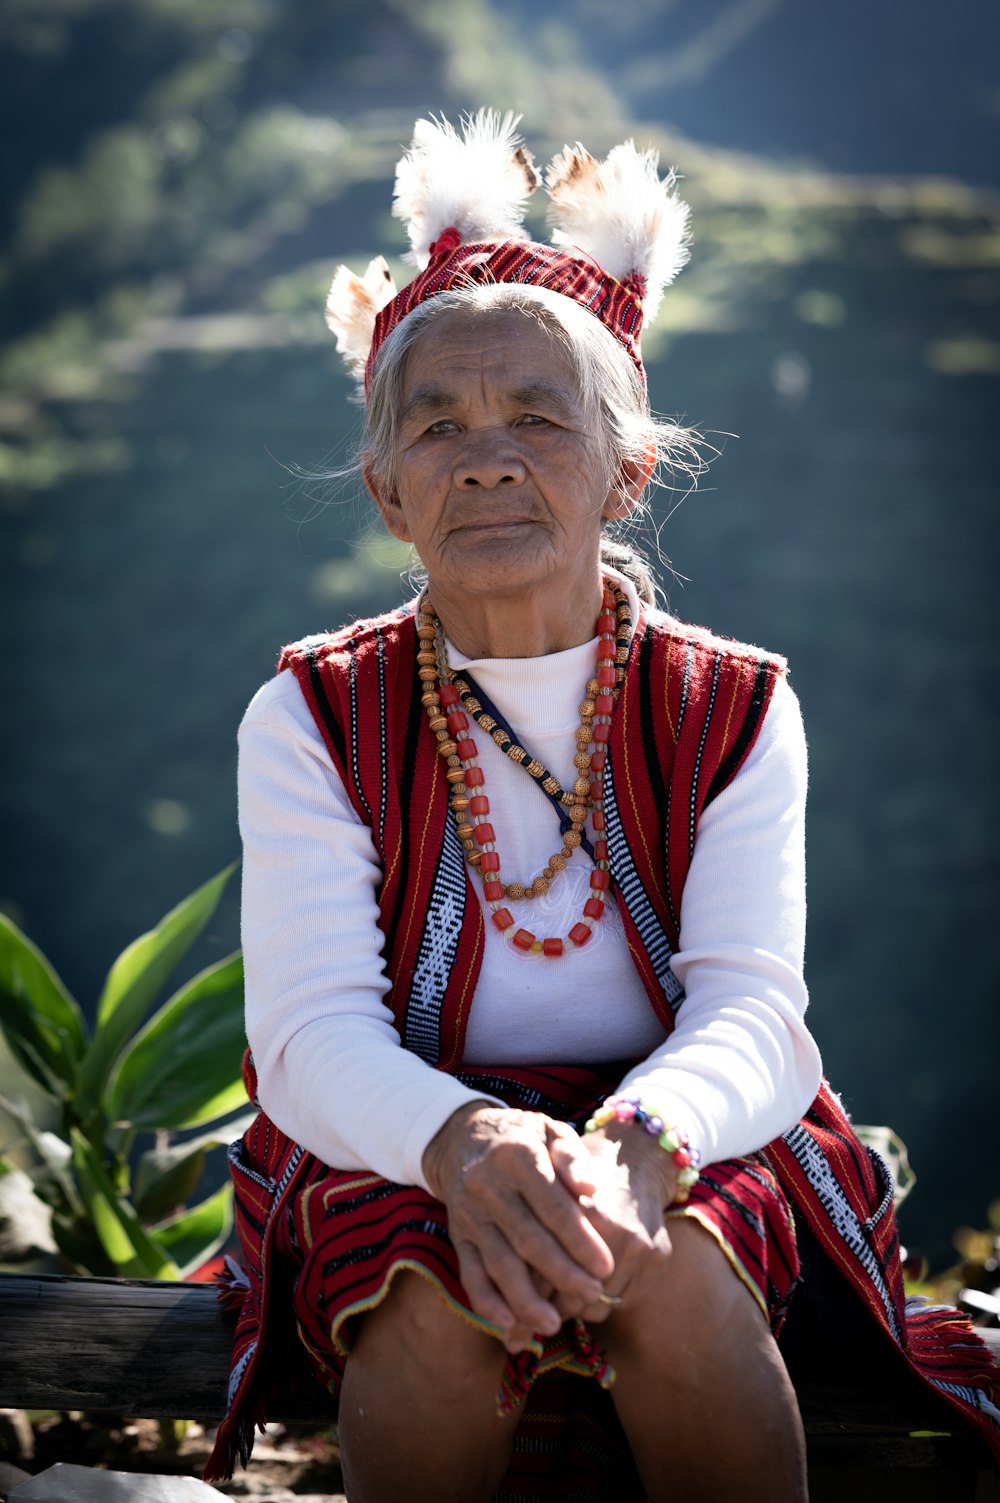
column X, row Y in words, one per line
column 374, row 1300
column 390, row 867
column 367, row 1179
column 638, row 823
column 416, row 885
column 729, row 716
column 666, row 688
column 693, row 1213
column 473, row 971
column 390, row 870
column 563, row 1360
column 300, row 1211
column 649, row 978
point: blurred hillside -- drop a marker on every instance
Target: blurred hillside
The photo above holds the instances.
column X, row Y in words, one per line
column 188, row 172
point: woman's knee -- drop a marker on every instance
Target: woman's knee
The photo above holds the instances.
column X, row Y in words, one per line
column 691, row 1301
column 414, row 1324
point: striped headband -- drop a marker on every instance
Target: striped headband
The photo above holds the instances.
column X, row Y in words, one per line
column 620, row 233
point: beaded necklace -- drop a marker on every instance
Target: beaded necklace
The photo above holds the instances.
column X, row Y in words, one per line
column 447, row 699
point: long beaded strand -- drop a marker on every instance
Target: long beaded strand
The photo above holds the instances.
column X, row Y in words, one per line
column 469, row 800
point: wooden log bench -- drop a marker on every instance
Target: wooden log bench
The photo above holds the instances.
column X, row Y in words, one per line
column 157, row 1350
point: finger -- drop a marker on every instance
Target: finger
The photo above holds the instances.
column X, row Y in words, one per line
column 519, row 1339
column 541, row 1284
column 551, row 1268
column 571, row 1161
column 573, row 1307
column 513, row 1281
column 483, row 1295
column 515, row 1187
column 602, row 1310
column 579, row 1243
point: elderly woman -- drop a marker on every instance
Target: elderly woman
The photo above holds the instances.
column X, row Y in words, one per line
column 523, row 923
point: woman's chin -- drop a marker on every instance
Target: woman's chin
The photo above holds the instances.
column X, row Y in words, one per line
column 505, row 557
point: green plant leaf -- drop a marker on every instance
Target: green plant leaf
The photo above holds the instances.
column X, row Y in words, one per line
column 52, row 1173
column 166, row 1177
column 77, row 1240
column 42, row 1024
column 134, row 981
column 132, row 1251
column 164, row 1182
column 185, row 1066
column 193, row 1236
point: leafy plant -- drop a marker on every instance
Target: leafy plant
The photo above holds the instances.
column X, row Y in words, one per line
column 116, row 1209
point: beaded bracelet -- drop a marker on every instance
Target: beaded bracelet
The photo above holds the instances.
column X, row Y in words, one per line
column 676, row 1143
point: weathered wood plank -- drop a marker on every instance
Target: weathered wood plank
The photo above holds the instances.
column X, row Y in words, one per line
column 154, row 1350
column 137, row 1347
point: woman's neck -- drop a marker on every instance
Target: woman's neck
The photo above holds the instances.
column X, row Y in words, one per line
column 511, row 626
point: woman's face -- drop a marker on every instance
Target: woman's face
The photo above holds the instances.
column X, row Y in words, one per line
column 501, row 482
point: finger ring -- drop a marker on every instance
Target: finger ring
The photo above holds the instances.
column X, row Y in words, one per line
column 610, row 1299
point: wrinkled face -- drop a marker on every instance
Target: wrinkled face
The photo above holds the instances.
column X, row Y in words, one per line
column 501, row 479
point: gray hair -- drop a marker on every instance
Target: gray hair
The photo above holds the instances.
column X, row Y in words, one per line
column 609, row 385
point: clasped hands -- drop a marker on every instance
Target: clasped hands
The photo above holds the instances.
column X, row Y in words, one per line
column 549, row 1225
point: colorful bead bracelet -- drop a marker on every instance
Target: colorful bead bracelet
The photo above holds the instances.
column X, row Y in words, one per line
column 674, row 1142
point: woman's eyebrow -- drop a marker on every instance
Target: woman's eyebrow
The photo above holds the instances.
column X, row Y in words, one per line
column 427, row 400
column 543, row 394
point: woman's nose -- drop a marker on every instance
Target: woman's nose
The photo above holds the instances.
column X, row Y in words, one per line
column 488, row 465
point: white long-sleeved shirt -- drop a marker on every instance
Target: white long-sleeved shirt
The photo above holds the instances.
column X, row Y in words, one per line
column 740, row 1066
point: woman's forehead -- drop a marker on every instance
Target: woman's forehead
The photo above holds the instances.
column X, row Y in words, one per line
column 501, row 348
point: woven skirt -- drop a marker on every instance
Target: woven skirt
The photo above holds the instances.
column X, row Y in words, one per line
column 347, row 1233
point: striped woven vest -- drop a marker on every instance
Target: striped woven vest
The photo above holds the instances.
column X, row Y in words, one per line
column 687, row 717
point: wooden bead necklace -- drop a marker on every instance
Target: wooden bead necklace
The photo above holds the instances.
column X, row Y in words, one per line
column 502, row 737
column 446, row 705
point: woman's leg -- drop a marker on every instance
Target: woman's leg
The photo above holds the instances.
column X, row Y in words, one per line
column 702, row 1391
column 418, row 1420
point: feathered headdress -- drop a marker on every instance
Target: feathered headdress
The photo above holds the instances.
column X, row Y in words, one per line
column 622, row 216
column 475, row 183
column 462, row 199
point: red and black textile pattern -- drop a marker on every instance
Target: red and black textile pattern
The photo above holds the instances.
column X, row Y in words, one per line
column 523, row 261
column 348, row 1233
column 362, row 688
column 688, row 714
column 689, row 711
column 266, row 1167
column 677, row 740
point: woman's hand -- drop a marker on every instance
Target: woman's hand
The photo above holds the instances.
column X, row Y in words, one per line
column 633, row 1182
column 528, row 1253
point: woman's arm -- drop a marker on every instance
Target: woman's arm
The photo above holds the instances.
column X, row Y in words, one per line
column 741, row 1066
column 330, row 1069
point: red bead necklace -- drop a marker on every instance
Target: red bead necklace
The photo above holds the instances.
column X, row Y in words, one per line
column 470, row 803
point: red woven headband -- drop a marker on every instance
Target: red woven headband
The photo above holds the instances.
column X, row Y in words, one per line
column 522, row 261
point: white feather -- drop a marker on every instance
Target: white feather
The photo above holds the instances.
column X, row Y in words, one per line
column 477, row 181
column 621, row 215
column 352, row 307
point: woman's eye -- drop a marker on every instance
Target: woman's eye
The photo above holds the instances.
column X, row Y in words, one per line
column 533, row 420
column 443, row 425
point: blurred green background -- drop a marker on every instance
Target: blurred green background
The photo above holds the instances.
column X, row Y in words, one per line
column 180, row 178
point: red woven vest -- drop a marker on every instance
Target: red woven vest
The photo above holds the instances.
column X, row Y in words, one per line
column 688, row 714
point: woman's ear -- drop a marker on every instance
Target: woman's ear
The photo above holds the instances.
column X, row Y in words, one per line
column 387, row 502
column 633, row 478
